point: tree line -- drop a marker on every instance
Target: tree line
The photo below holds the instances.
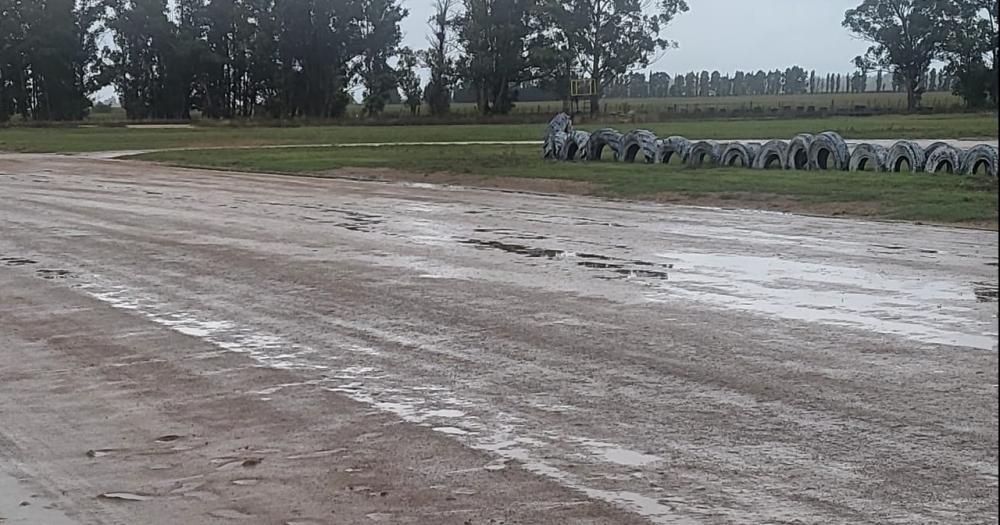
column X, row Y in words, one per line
column 791, row 81
column 302, row 58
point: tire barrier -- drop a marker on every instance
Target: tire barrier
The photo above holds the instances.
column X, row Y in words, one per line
column 739, row 155
column 773, row 154
column 828, row 151
column 640, row 145
column 576, row 146
column 869, row 157
column 908, row 151
column 673, row 146
column 604, row 138
column 704, row 153
column 798, row 152
column 823, row 151
column 981, row 156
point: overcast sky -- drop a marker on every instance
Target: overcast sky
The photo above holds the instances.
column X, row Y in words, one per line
column 734, row 34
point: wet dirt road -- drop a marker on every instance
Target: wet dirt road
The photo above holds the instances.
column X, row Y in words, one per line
column 205, row 347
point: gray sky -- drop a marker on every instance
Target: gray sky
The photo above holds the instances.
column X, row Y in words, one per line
column 734, row 34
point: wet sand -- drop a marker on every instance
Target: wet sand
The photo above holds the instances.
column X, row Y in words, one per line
column 206, row 347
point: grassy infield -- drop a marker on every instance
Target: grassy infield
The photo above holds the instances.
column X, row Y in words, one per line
column 945, row 199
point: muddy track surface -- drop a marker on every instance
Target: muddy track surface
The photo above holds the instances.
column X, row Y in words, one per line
column 183, row 346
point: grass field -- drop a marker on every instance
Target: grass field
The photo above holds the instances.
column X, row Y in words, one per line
column 77, row 139
column 831, row 101
column 765, row 103
column 942, row 199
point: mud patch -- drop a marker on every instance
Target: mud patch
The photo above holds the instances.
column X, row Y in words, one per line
column 16, row 261
column 618, row 267
column 985, row 292
column 49, row 274
column 518, row 249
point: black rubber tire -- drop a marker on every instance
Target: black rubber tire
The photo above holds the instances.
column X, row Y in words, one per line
column 828, row 151
column 944, row 159
column 604, row 138
column 673, row 146
column 576, row 146
column 704, row 153
column 929, row 150
column 738, row 152
column 797, row 157
column 773, row 152
column 639, row 144
column 865, row 155
column 559, row 140
column 561, row 123
column 909, row 151
column 977, row 156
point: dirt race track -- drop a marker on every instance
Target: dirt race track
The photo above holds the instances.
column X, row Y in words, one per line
column 182, row 346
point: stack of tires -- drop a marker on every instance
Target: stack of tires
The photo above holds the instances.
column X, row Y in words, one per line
column 823, row 151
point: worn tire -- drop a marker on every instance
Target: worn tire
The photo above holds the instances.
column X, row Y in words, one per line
column 797, row 157
column 980, row 155
column 828, row 151
column 561, row 123
column 865, row 155
column 735, row 152
column 909, row 151
column 704, row 153
column 671, row 146
column 558, row 140
column 576, row 146
column 929, row 150
column 943, row 158
column 639, row 144
column 772, row 153
column 604, row 138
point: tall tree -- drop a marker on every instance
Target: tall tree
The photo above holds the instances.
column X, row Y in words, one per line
column 678, row 89
column 715, row 84
column 147, row 65
column 906, row 35
column 504, row 43
column 438, row 59
column 797, row 81
column 48, row 58
column 971, row 51
column 409, row 81
column 614, row 37
column 380, row 36
column 691, row 84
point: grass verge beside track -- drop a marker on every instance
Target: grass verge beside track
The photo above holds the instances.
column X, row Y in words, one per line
column 82, row 139
column 944, row 199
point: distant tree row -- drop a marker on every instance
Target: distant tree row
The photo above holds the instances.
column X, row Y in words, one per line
column 791, row 81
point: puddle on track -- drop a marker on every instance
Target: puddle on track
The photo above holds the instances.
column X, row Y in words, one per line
column 619, row 268
column 917, row 308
